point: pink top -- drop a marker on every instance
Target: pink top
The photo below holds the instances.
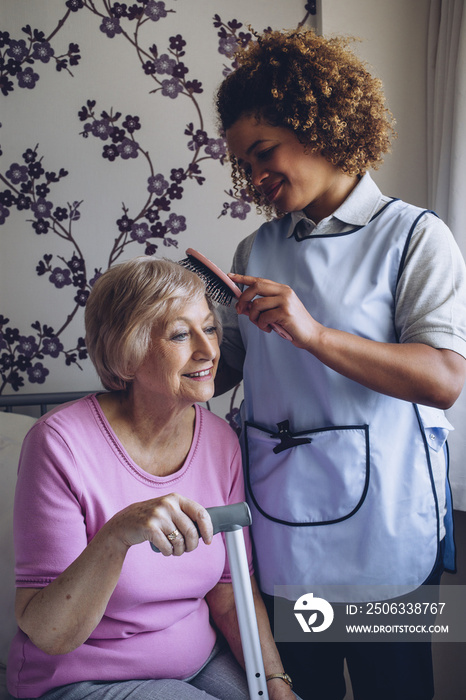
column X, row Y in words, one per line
column 74, row 475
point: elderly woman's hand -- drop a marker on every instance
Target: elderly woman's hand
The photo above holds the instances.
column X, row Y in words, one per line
column 61, row 616
column 172, row 523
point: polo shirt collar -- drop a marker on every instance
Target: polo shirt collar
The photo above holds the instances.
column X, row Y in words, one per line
column 357, row 209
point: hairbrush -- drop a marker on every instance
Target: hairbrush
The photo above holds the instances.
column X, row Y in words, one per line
column 219, row 287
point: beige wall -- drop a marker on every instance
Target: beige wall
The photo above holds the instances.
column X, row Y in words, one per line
column 393, row 41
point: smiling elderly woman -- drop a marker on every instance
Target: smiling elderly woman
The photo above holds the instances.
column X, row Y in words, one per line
column 98, row 615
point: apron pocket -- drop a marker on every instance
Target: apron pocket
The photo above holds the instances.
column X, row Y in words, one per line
column 318, row 481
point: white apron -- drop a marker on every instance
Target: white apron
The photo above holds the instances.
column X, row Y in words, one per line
column 339, row 477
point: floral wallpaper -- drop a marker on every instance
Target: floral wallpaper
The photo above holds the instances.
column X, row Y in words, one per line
column 108, row 149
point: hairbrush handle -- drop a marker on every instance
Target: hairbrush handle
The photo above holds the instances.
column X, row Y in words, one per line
column 232, row 286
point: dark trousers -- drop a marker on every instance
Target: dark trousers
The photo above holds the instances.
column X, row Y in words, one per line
column 378, row 671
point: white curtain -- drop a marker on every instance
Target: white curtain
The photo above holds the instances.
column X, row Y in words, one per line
column 446, row 158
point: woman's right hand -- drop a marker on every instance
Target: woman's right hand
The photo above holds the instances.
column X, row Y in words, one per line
column 157, row 518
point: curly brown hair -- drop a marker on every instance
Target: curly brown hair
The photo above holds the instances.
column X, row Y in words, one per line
column 316, row 87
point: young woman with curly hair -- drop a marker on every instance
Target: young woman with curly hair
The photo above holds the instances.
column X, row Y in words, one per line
column 343, row 427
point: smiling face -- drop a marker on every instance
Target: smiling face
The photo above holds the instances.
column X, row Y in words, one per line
column 182, row 361
column 287, row 176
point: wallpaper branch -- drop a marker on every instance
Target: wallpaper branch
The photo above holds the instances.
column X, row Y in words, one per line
column 123, row 131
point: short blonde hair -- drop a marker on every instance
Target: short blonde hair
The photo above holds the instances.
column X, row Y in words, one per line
column 125, row 304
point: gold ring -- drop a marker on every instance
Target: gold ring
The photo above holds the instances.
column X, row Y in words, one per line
column 173, row 535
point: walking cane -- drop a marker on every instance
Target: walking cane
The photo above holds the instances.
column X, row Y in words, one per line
column 231, row 519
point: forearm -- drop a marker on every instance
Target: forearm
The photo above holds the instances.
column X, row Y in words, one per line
column 61, row 616
column 410, row 371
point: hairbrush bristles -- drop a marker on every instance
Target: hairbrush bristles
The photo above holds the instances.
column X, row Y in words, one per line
column 219, row 287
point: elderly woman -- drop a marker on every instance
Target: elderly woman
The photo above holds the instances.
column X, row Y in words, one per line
column 99, row 614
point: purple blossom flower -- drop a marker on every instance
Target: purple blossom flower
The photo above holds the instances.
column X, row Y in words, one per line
column 27, row 345
column 245, row 196
column 131, row 124
column 152, row 215
column 81, row 297
column 27, row 78
column 158, row 230
column 180, row 70
column 157, row 184
column 60, row 214
column 101, row 128
column 23, row 202
column 13, row 67
column 155, row 10
column 149, row 67
column 228, row 45
column 76, row 264
column 118, row 135
column 74, row 5
column 37, row 373
column 239, row 210
column 7, row 198
column 42, row 209
column 119, row 10
column 12, row 335
column 110, row 26
column 200, row 137
column 177, row 43
column 42, row 190
column 110, row 152
column 216, row 148
column 22, row 363
column 177, row 175
column 6, row 360
column 140, row 232
column 40, row 226
column 4, row 212
column 17, row 50
column 29, row 156
column 171, row 88
column 175, row 191
column 124, row 224
column 128, row 149
column 164, row 65
column 42, row 51
column 176, row 223
column 35, row 169
column 52, row 346
column 17, row 173
column 60, row 277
